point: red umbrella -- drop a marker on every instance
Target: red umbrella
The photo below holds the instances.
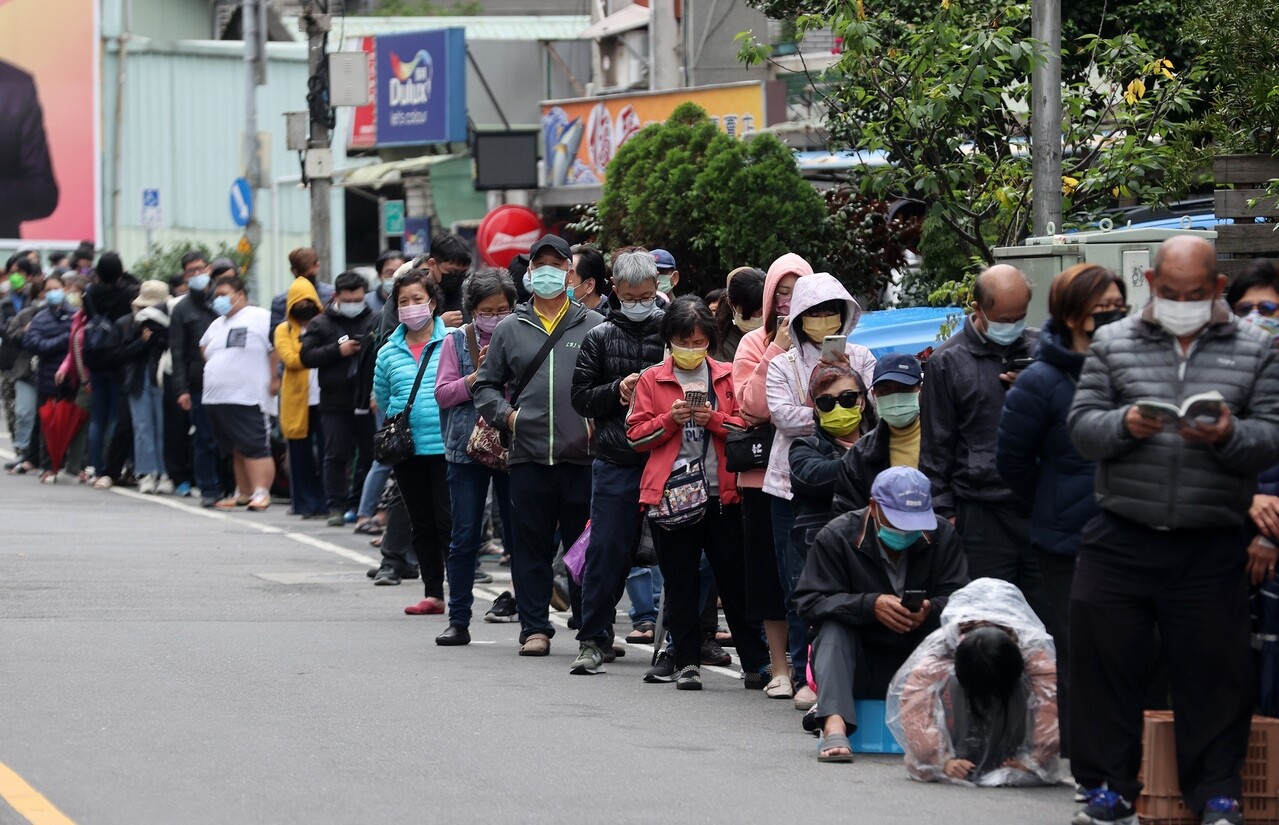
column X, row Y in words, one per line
column 59, row 422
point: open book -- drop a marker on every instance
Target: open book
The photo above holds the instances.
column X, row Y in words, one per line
column 1204, row 408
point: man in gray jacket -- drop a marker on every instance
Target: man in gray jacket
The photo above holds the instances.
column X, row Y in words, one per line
column 1168, row 550
column 550, row 455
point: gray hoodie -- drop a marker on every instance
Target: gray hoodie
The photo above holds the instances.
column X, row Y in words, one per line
column 547, row 429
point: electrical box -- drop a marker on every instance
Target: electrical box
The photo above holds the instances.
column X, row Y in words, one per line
column 349, row 79
column 296, row 126
column 319, row 163
column 1126, row 252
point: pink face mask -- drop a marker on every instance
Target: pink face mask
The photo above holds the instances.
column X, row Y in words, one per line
column 485, row 326
column 416, row 316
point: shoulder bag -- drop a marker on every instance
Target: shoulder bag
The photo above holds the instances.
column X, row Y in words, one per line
column 531, row 370
column 685, row 496
column 484, row 445
column 749, row 449
column 394, row 442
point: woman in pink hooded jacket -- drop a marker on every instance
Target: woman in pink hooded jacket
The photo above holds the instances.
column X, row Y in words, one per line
column 764, row 598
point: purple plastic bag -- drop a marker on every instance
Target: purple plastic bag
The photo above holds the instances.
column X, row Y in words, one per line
column 575, row 558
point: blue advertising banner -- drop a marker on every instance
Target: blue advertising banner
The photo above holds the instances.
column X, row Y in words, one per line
column 421, row 81
column 417, row 236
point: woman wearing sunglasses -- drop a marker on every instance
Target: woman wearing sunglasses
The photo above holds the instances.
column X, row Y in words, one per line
column 820, row 307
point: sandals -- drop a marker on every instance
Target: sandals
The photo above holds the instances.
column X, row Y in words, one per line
column 231, row 502
column 642, row 635
column 259, row 504
column 368, row 528
column 832, row 742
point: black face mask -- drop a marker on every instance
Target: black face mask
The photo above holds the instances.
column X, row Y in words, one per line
column 452, row 284
column 1100, row 319
column 304, row 312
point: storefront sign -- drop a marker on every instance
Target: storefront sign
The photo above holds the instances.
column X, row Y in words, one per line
column 421, row 88
column 505, row 232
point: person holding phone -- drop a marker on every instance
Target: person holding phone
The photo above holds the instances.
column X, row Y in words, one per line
column 863, row 632
column 820, row 309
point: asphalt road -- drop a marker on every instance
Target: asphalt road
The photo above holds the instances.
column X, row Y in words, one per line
column 164, row 664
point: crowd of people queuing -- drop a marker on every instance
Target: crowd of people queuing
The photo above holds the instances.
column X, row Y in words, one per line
column 1004, row 541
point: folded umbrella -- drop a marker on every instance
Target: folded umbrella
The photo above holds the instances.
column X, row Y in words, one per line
column 60, row 420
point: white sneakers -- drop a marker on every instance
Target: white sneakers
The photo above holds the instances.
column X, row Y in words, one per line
column 151, row 485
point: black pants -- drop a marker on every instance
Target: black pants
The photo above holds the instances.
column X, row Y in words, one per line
column 397, row 539
column 764, row 600
column 1059, row 577
column 1191, row 586
column 856, row 663
column 179, row 456
column 425, row 488
column 997, row 544
column 544, row 498
column 679, row 552
column 119, row 450
column 347, row 437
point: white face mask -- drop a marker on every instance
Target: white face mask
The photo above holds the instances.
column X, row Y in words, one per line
column 1182, row 317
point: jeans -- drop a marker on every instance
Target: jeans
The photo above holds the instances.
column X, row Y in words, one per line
column 797, row 628
column 304, row 470
column 374, row 486
column 348, row 438
column 615, row 531
column 24, row 413
column 424, row 485
column 205, row 448
column 102, row 406
column 468, row 490
column 544, row 499
column 644, row 589
column 147, row 410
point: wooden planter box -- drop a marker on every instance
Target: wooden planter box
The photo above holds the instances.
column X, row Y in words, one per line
column 1245, row 239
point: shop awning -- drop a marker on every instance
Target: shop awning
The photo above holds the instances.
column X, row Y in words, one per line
column 632, row 17
column 377, row 175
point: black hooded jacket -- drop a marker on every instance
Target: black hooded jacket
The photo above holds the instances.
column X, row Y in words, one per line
column 189, row 321
column 610, row 352
column 346, row 381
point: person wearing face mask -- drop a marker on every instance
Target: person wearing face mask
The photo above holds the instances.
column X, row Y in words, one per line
column 337, row 344
column 680, row 414
column 1033, row 452
column 667, row 274
column 11, row 305
column 820, row 307
column 859, row 567
column 241, row 375
column 590, row 285
column 740, row 312
column 488, row 296
column 449, row 260
column 300, row 404
column 106, row 300
column 968, row 377
column 608, row 368
column 143, row 339
column 188, row 321
column 1168, row 553
column 524, row 389
column 304, row 262
column 895, row 386
column 387, row 263
column 21, row 372
column 47, row 338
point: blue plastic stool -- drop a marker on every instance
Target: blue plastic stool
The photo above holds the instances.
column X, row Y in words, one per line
column 872, row 735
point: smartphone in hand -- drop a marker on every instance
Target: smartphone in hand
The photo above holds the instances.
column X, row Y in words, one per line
column 913, row 600
column 833, row 347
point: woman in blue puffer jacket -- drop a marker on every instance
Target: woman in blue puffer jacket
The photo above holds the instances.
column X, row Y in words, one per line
column 47, row 337
column 1034, row 453
column 413, row 352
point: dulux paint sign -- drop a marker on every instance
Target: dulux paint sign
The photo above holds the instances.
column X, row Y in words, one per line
column 421, row 87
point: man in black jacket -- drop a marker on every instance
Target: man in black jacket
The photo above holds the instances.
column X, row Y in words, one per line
column 28, row 188
column 613, row 355
column 895, row 440
column 859, row 568
column 188, row 322
column 968, row 377
column 338, row 344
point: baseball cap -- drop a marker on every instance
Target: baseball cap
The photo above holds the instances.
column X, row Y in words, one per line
column 901, row 367
column 906, row 498
column 555, row 242
column 664, row 259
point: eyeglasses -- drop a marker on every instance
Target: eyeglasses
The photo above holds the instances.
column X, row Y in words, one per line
column 846, row 399
column 1125, row 308
column 1266, row 308
column 488, row 313
column 643, row 302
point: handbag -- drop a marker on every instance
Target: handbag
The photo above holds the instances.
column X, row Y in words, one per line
column 532, row 368
column 484, row 444
column 685, row 496
column 748, row 449
column 394, row 442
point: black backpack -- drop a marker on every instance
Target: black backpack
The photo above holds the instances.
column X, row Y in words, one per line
column 99, row 340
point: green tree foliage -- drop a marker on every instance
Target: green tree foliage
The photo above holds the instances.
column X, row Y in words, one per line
column 1242, row 57
column 714, row 202
column 948, row 101
column 861, row 245
column 426, row 8
column 165, row 261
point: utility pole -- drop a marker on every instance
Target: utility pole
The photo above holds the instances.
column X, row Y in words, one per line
column 255, row 75
column 1045, row 119
column 317, row 22
column 664, row 47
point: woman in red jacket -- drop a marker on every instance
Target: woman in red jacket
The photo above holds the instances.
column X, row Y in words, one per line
column 681, row 411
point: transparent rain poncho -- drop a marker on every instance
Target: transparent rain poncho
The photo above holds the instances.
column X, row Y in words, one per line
column 930, row 718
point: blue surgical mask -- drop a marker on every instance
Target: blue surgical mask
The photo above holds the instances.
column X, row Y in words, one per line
column 664, row 282
column 1004, row 333
column 222, row 304
column 199, row 283
column 387, row 286
column 54, row 297
column 528, row 281
column 571, row 294
column 548, row 281
column 898, row 408
column 898, row 540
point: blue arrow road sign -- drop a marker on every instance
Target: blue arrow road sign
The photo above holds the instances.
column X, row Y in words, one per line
column 241, row 202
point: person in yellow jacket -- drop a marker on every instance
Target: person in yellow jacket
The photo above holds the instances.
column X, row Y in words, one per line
column 299, row 402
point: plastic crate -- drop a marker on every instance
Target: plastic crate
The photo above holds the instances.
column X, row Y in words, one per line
column 872, row 735
column 1161, row 802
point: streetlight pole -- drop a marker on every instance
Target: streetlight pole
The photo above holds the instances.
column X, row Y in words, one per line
column 317, row 23
column 1045, row 118
column 255, row 74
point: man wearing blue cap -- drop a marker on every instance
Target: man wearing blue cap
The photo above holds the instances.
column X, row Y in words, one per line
column 667, row 274
column 895, row 442
column 865, row 571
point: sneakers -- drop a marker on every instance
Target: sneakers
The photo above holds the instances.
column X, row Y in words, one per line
column 164, row 487
column 503, row 610
column 386, row 576
column 805, row 698
column 147, row 485
column 483, row 578
column 758, row 680
column 1107, row 808
column 103, row 483
column 689, row 678
column 1222, row 810
column 713, row 654
column 182, row 490
column 337, row 519
column 589, row 660
column 663, row 672
column 429, row 606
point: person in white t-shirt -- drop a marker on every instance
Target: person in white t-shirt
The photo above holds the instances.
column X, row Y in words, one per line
column 240, row 377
